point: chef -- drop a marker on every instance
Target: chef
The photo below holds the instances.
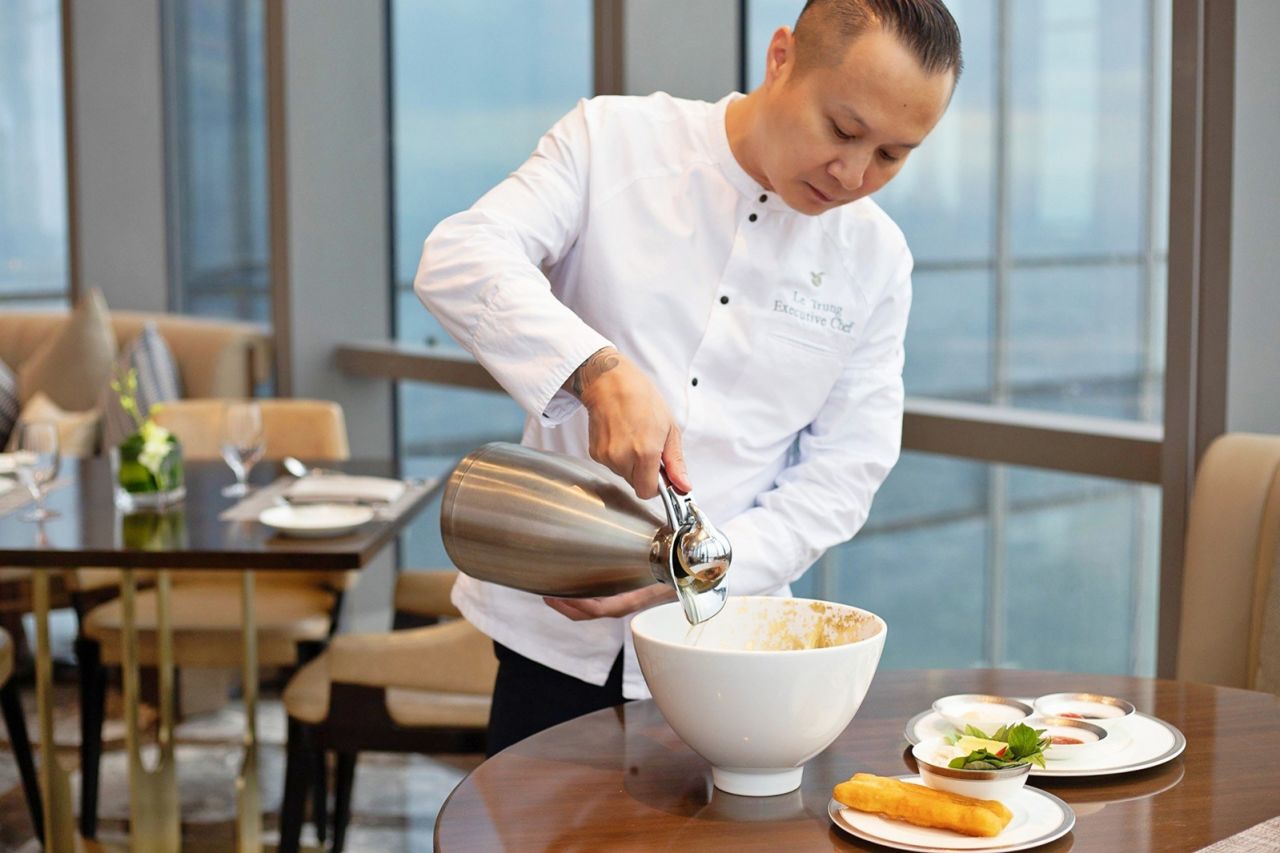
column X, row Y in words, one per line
column 709, row 286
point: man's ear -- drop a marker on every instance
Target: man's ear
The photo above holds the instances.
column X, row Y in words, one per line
column 780, row 59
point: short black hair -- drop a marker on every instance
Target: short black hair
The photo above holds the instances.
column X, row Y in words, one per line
column 925, row 28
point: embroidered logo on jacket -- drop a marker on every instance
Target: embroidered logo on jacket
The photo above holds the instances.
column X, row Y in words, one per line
column 814, row 311
column 815, row 278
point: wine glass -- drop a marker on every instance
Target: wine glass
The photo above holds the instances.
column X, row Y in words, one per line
column 37, row 463
column 243, row 443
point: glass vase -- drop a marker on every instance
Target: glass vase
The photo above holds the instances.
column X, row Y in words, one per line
column 143, row 486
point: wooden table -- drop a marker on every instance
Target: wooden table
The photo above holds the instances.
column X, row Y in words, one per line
column 620, row 779
column 92, row 532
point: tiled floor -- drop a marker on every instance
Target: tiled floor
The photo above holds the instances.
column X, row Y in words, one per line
column 395, row 801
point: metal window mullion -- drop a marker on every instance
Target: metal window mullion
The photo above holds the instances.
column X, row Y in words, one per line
column 238, row 32
column 172, row 85
column 1202, row 61
column 608, row 47
column 66, row 32
column 393, row 203
column 1153, row 292
column 1141, row 590
column 1002, row 192
column 997, row 477
column 278, row 194
column 1035, row 262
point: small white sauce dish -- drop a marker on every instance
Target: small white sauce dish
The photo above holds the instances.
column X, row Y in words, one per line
column 981, row 711
column 932, row 757
column 1094, row 740
column 1104, row 711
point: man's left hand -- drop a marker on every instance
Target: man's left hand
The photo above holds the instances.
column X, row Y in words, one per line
column 622, row 604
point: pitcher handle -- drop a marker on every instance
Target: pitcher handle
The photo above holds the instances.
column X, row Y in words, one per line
column 673, row 500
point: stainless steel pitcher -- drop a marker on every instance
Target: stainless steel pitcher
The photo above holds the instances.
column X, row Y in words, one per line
column 558, row 525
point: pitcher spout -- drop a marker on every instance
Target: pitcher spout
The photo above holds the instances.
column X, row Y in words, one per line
column 700, row 584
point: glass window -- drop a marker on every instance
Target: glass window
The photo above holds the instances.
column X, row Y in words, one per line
column 949, row 338
column 1078, row 135
column 1036, row 213
column 474, row 87
column 216, row 90
column 987, row 565
column 33, row 156
column 1040, row 204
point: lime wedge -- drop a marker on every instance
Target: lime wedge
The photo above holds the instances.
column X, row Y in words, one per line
column 968, row 744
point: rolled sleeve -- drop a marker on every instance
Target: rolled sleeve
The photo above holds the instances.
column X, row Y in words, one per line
column 481, row 274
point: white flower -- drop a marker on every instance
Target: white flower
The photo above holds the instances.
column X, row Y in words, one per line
column 155, row 447
column 152, row 432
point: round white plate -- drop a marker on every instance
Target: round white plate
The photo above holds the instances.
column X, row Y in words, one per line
column 1143, row 741
column 1038, row 818
column 315, row 521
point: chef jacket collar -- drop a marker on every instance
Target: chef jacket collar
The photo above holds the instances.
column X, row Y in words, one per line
column 729, row 165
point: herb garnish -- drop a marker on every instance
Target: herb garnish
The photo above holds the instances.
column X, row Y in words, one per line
column 1025, row 746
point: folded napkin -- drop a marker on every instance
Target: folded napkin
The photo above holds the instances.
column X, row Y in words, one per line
column 344, row 488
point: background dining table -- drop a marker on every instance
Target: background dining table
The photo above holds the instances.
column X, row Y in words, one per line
column 91, row 531
column 621, row 779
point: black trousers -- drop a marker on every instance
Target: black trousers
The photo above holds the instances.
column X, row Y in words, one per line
column 529, row 697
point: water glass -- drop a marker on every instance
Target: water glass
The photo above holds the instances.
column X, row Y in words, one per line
column 243, row 443
column 37, row 464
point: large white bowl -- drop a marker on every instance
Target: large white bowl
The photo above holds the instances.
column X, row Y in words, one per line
column 748, row 692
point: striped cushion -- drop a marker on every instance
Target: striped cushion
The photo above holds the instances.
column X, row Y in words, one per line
column 158, row 382
column 8, row 402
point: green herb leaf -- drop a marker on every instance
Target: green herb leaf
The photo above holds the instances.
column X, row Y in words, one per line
column 1026, row 745
column 1023, row 741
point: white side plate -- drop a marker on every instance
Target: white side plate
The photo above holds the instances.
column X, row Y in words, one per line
column 1038, row 818
column 9, row 461
column 315, row 521
column 1147, row 742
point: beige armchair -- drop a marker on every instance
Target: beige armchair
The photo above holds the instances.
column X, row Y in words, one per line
column 215, row 358
column 1230, row 630
column 19, row 743
column 295, row 611
column 421, row 690
column 308, row 429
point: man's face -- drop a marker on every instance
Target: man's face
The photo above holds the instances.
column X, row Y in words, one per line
column 831, row 135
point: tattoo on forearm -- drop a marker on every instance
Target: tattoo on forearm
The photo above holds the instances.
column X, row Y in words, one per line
column 600, row 363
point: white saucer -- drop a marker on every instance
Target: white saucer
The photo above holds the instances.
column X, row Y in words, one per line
column 9, row 461
column 315, row 521
column 1038, row 818
column 6, row 484
column 1145, row 742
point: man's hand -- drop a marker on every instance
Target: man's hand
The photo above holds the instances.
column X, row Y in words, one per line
column 622, row 604
column 630, row 429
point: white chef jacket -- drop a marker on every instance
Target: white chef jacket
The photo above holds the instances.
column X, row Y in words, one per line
column 775, row 338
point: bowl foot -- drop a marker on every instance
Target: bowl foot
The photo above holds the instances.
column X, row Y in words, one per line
column 757, row 783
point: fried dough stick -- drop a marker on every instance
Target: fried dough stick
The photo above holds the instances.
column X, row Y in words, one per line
column 923, row 806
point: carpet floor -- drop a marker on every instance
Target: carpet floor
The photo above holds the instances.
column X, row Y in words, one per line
column 394, row 804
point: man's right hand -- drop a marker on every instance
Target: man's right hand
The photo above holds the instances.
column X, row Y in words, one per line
column 630, row 428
